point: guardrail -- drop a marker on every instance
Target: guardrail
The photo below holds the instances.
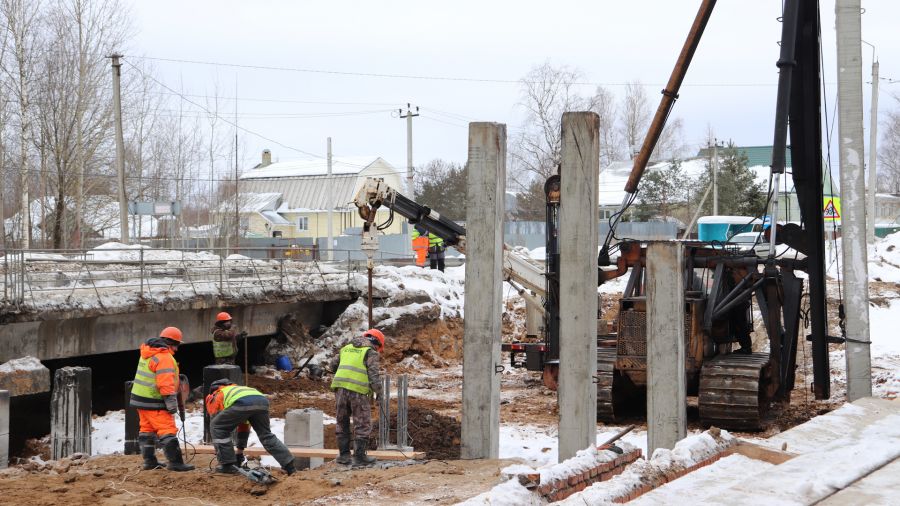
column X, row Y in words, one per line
column 37, row 279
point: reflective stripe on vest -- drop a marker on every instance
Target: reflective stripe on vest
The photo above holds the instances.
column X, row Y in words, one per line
column 351, row 373
column 222, row 349
column 232, row 393
column 145, row 379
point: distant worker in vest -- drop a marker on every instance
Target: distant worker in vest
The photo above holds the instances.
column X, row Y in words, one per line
column 233, row 407
column 224, row 339
column 155, row 395
column 356, row 378
column 436, row 252
column 420, row 244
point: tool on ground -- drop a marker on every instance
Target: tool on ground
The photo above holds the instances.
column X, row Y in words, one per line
column 300, row 369
column 257, row 475
column 617, row 436
column 184, row 392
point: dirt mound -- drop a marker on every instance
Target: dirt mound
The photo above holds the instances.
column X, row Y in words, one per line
column 287, row 384
column 438, row 341
column 430, row 432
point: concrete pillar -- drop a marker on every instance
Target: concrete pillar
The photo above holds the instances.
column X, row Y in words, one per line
column 303, row 428
column 132, row 424
column 666, row 396
column 486, row 189
column 4, row 428
column 578, row 232
column 534, row 319
column 70, row 412
column 212, row 373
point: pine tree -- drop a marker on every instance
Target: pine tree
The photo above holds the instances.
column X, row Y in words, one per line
column 739, row 193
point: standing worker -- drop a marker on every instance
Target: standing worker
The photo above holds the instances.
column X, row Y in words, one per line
column 225, row 339
column 436, row 251
column 155, row 395
column 356, row 377
column 420, row 244
column 233, row 407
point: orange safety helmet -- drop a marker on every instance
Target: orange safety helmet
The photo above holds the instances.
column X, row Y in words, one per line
column 375, row 336
column 171, row 333
column 223, row 317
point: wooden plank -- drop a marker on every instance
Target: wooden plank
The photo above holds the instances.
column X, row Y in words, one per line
column 755, row 451
column 320, row 453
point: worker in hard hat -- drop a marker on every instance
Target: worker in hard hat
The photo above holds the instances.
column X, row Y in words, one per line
column 155, row 395
column 231, row 407
column 356, row 378
column 420, row 244
column 224, row 339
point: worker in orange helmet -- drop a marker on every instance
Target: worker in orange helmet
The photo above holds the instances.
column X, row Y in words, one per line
column 155, row 395
column 224, row 339
column 356, row 378
column 420, row 244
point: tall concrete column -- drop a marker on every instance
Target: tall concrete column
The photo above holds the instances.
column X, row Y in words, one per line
column 132, row 423
column 534, row 319
column 212, row 373
column 303, row 428
column 666, row 390
column 4, row 428
column 578, row 217
column 853, row 198
column 486, row 189
column 70, row 412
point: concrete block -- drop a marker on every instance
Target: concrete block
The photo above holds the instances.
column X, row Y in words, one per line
column 212, row 373
column 24, row 376
column 70, row 412
column 303, row 428
column 4, row 429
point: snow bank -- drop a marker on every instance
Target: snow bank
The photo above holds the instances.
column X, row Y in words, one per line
column 21, row 364
column 884, row 258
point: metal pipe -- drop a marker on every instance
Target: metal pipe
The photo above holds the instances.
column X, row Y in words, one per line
column 402, row 412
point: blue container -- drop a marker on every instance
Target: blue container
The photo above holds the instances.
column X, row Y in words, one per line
column 283, row 363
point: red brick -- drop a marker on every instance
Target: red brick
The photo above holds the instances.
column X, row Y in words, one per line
column 545, row 489
column 605, row 476
column 581, row 486
column 574, row 479
column 594, row 472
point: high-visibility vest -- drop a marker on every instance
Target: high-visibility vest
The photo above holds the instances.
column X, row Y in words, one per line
column 232, row 393
column 145, row 385
column 352, row 373
column 222, row 349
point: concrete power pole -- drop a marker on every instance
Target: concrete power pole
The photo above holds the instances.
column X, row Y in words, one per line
column 715, row 177
column 328, row 199
column 410, row 187
column 873, row 174
column 120, row 148
column 853, row 197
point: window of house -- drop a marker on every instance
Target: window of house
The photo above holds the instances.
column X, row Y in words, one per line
column 303, row 223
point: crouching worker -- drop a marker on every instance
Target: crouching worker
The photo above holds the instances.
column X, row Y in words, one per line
column 356, row 377
column 233, row 407
column 155, row 395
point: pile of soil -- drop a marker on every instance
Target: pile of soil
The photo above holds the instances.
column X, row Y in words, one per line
column 289, row 393
column 287, row 383
column 429, row 431
column 437, row 340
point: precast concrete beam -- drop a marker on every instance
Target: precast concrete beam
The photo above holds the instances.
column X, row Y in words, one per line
column 666, row 389
column 578, row 217
column 4, row 429
column 70, row 412
column 485, row 208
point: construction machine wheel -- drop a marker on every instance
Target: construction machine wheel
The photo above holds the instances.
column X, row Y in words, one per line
column 732, row 392
column 606, row 382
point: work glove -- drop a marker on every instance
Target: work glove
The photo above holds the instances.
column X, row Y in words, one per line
column 171, row 404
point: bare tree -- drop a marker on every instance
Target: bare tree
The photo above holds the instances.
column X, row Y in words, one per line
column 634, row 116
column 21, row 18
column 889, row 153
column 604, row 104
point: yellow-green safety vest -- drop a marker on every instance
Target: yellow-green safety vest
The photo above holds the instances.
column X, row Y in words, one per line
column 222, row 349
column 351, row 373
column 232, row 393
column 145, row 380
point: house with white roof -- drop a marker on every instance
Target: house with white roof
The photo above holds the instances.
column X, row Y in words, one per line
column 291, row 199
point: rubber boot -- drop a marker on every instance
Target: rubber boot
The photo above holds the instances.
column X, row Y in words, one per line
column 289, row 468
column 226, row 469
column 148, row 451
column 344, row 458
column 173, row 455
column 239, row 459
column 360, row 458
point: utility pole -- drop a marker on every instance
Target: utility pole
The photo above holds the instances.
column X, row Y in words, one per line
column 853, row 198
column 237, row 194
column 120, row 148
column 873, row 138
column 410, row 184
column 715, row 177
column 328, row 202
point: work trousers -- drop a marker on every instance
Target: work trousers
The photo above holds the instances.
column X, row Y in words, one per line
column 257, row 414
column 356, row 405
column 436, row 257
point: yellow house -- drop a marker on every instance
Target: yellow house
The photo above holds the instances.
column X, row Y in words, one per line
column 291, row 199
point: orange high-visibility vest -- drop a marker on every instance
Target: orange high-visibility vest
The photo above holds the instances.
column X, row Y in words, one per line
column 420, row 246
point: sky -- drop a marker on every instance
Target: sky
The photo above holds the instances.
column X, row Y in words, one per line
column 462, row 60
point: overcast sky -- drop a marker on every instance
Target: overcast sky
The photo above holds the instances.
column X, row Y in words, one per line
column 730, row 86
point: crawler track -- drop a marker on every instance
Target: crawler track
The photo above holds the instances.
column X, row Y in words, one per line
column 731, row 393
